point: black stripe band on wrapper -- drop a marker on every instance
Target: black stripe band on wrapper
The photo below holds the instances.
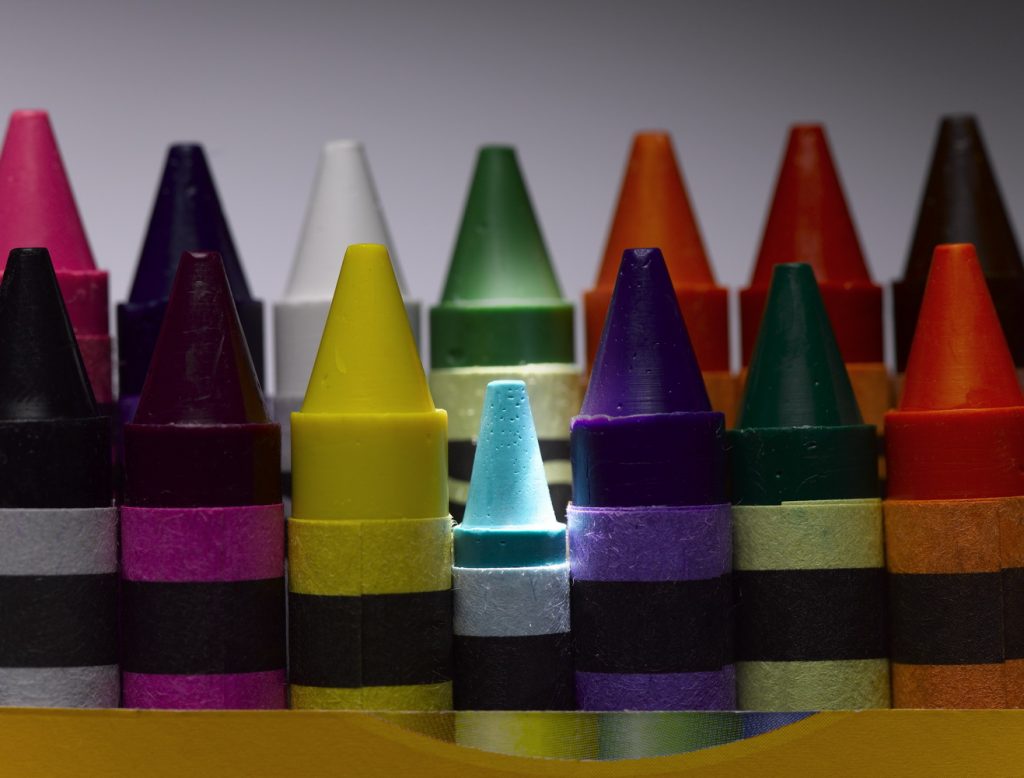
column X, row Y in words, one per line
column 524, row 672
column 652, row 626
column 373, row 640
column 202, row 628
column 810, row 615
column 58, row 620
column 946, row 618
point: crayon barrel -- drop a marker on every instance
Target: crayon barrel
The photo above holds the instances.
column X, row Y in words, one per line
column 554, row 391
column 642, row 734
column 542, row 734
column 810, row 583
column 651, row 604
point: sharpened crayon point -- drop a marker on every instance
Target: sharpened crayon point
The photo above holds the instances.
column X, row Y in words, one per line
column 809, row 220
column 186, row 216
column 962, row 204
column 508, row 486
column 201, row 371
column 367, row 361
column 41, row 371
column 37, row 206
column 509, row 520
column 797, row 377
column 654, row 210
column 959, row 358
column 645, row 363
column 499, row 254
column 344, row 209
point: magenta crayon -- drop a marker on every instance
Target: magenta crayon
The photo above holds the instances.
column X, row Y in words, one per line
column 650, row 545
column 37, row 208
column 202, row 531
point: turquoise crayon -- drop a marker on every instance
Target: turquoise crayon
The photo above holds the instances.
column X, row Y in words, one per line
column 511, row 576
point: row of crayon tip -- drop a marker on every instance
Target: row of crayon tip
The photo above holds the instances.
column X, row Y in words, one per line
column 500, row 258
column 201, row 437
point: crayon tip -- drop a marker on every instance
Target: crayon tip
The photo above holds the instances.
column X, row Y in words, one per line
column 201, row 371
column 367, row 361
column 654, row 210
column 809, row 220
column 41, row 371
column 645, row 363
column 37, row 206
column 344, row 209
column 186, row 216
column 797, row 377
column 959, row 357
column 499, row 254
column 508, row 486
column 962, row 204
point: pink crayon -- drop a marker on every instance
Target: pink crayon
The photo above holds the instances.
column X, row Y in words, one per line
column 202, row 525
column 37, row 208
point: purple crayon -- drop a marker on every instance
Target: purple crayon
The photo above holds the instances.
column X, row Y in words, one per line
column 202, row 525
column 650, row 534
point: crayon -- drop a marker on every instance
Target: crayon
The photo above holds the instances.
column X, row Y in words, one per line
column 370, row 537
column 654, row 210
column 202, row 524
column 962, row 203
column 808, row 559
column 511, row 575
column 502, row 315
column 58, row 526
column 650, row 546
column 343, row 209
column 186, row 216
column 37, row 208
column 953, row 515
column 643, row 734
column 809, row 221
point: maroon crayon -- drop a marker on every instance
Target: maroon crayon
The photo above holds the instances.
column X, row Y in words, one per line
column 202, row 525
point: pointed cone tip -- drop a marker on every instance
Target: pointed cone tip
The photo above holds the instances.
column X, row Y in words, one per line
column 367, row 361
column 201, row 371
column 645, row 363
column 499, row 254
column 959, row 357
column 508, row 485
column 797, row 377
column 41, row 371
column 654, row 209
column 809, row 219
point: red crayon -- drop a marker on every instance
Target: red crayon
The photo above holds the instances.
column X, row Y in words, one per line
column 37, row 208
column 810, row 222
column 953, row 517
column 202, row 525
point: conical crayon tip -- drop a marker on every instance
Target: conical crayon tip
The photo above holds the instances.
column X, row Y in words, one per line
column 41, row 371
column 508, row 486
column 962, row 203
column 344, row 209
column 797, row 377
column 37, row 206
column 959, row 357
column 654, row 210
column 809, row 220
column 186, row 216
column 201, row 371
column 499, row 254
column 367, row 361
column 645, row 363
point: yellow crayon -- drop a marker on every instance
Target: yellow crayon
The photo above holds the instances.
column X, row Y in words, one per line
column 369, row 541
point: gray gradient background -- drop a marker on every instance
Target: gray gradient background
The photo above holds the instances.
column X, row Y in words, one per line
column 263, row 84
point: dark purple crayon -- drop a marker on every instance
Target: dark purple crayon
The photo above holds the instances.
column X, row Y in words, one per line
column 186, row 216
column 650, row 527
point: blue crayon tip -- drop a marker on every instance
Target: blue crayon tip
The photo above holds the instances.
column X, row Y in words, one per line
column 509, row 520
column 645, row 363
